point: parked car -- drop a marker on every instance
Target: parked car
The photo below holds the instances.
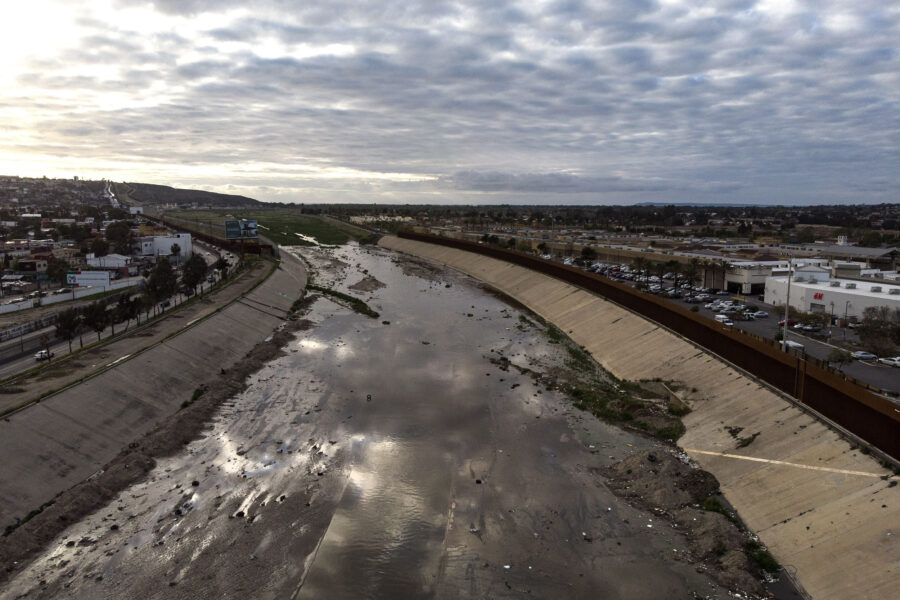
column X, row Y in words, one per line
column 893, row 361
column 42, row 355
column 760, row 314
column 795, row 345
column 791, row 322
column 863, row 355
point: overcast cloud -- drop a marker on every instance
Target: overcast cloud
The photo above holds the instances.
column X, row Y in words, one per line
column 778, row 101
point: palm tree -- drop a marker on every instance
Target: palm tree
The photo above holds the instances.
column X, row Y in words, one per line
column 674, row 267
column 691, row 270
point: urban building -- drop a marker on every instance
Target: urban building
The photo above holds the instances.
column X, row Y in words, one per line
column 161, row 245
column 813, row 289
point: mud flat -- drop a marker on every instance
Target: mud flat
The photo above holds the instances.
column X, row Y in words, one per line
column 826, row 509
column 427, row 453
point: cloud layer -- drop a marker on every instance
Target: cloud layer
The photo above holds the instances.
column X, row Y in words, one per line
column 481, row 101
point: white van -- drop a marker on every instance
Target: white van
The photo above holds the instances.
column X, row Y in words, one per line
column 722, row 318
column 795, row 345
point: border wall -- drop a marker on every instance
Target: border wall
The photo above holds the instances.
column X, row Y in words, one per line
column 841, row 399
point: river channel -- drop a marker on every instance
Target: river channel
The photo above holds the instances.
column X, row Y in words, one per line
column 385, row 457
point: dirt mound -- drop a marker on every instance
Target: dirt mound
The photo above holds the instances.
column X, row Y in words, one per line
column 667, row 484
column 367, row 284
column 659, row 479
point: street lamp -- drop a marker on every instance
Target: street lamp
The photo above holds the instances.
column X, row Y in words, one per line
column 846, row 304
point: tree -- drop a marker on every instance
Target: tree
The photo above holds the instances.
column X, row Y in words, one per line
column 691, row 270
column 674, row 267
column 542, row 248
column 839, row 356
column 162, row 281
column 879, row 332
column 67, row 324
column 126, row 309
column 194, row 271
column 806, row 235
column 57, row 271
column 96, row 317
column 100, row 247
column 588, row 254
column 143, row 303
column 120, row 236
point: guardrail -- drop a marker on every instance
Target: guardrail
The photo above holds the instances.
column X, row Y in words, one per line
column 869, row 416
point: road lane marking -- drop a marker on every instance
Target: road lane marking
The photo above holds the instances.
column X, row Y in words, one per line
column 118, row 360
column 787, row 464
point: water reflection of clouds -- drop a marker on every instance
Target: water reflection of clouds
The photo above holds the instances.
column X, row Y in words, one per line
column 311, row 345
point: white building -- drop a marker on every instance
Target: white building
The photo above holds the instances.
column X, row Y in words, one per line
column 814, row 290
column 161, row 245
column 749, row 276
column 136, row 210
column 110, row 261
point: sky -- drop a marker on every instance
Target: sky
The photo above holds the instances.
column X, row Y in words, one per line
column 480, row 102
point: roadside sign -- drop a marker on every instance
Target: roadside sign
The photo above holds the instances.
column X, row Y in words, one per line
column 88, row 278
column 243, row 229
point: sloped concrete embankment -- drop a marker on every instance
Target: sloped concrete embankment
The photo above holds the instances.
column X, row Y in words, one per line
column 67, row 437
column 826, row 510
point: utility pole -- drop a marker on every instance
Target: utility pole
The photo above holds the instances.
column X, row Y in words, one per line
column 787, row 306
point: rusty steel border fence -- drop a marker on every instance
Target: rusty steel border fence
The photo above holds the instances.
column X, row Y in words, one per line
column 871, row 417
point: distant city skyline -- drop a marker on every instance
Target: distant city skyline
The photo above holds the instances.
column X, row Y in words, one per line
column 482, row 102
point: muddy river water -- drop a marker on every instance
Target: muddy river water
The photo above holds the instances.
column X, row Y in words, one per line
column 384, row 458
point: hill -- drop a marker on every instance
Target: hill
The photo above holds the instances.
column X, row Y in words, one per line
column 147, row 193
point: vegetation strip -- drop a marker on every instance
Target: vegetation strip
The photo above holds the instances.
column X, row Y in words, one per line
column 355, row 303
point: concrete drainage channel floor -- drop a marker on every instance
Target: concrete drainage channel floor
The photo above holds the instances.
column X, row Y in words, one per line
column 386, row 457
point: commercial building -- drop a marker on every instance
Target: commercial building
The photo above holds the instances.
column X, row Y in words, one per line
column 161, row 245
column 110, row 261
column 813, row 289
column 749, row 277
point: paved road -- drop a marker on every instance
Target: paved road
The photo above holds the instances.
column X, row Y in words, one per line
column 17, row 355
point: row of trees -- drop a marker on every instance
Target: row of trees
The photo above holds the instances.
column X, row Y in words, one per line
column 161, row 285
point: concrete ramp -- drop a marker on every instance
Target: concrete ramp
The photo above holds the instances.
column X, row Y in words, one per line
column 829, row 513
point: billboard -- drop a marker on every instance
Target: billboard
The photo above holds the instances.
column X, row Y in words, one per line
column 239, row 230
column 88, row 278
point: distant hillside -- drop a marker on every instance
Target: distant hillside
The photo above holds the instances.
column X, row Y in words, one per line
column 146, row 193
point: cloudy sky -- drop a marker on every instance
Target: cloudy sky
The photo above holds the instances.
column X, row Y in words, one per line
column 487, row 101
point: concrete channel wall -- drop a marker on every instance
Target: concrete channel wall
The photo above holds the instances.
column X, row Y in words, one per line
column 828, row 512
column 64, row 439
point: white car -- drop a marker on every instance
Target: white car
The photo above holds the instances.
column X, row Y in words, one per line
column 42, row 355
column 795, row 345
column 893, row 361
column 862, row 355
column 760, row 314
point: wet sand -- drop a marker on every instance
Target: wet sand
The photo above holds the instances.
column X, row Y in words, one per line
column 384, row 458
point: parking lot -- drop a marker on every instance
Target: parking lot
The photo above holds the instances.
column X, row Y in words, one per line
column 814, row 343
